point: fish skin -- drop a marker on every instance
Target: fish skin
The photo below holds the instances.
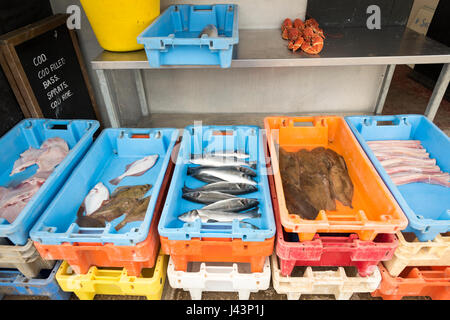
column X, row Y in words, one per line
column 137, row 168
column 138, row 214
column 233, row 205
column 297, row 202
column 213, row 161
column 314, row 180
column 206, row 197
column 239, row 169
column 137, row 192
column 224, row 175
column 340, row 182
column 218, row 216
column 113, row 209
column 225, row 187
column 95, row 198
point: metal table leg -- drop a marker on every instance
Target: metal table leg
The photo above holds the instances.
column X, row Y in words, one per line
column 438, row 92
column 141, row 92
column 384, row 88
column 107, row 97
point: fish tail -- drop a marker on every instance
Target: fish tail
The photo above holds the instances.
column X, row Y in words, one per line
column 254, row 213
column 115, row 181
column 252, row 164
column 186, row 189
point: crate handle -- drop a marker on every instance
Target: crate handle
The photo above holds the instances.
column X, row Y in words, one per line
column 202, row 8
column 222, row 133
column 139, row 136
column 57, row 125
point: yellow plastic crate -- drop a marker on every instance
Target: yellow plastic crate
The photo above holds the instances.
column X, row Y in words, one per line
column 419, row 254
column 114, row 281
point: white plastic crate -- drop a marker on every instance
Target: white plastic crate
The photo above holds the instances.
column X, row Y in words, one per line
column 419, row 254
column 219, row 277
column 330, row 282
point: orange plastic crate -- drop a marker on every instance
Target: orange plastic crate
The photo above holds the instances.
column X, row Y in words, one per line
column 82, row 256
column 374, row 208
column 217, row 250
column 433, row 282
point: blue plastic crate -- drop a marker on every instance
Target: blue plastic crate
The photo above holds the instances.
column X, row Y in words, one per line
column 12, row 282
column 32, row 133
column 426, row 206
column 209, row 139
column 113, row 150
column 173, row 38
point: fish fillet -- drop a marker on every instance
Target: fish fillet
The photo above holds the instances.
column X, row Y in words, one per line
column 11, row 212
column 407, row 161
column 439, row 179
column 413, row 169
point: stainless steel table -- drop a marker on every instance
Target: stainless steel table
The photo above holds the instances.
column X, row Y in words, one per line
column 265, row 48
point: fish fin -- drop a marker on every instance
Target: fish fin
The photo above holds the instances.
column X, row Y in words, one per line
column 211, row 220
column 115, row 181
column 138, row 174
column 80, row 210
column 252, row 165
column 129, row 166
column 121, row 224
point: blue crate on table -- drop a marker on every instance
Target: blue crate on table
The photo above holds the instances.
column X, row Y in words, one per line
column 426, row 206
column 12, row 282
column 200, row 139
column 113, row 150
column 32, row 133
column 173, row 38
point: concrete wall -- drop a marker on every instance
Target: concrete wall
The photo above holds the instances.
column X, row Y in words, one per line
column 324, row 89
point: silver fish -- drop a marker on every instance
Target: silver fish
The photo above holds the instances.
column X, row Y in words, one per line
column 137, row 168
column 207, row 197
column 217, row 216
column 245, row 170
column 213, row 161
column 95, row 198
column 233, row 205
column 210, row 31
column 227, row 154
column 209, row 175
column 225, row 187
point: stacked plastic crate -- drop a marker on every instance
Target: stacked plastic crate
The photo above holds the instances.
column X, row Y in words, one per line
column 421, row 263
column 359, row 237
column 22, row 269
column 218, row 256
column 92, row 255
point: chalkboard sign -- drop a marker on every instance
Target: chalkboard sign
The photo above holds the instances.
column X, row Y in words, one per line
column 353, row 13
column 44, row 66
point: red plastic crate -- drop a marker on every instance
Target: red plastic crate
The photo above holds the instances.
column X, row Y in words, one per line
column 433, row 282
column 339, row 251
column 82, row 256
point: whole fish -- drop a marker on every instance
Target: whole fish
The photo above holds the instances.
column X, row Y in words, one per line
column 137, row 168
column 136, row 192
column 210, row 31
column 227, row 154
column 217, row 216
column 137, row 214
column 209, row 176
column 233, row 205
column 225, row 187
column 241, row 169
column 214, row 161
column 95, row 198
column 206, row 197
column 87, row 221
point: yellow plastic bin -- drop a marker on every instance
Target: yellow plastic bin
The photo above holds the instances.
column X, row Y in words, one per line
column 117, row 23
